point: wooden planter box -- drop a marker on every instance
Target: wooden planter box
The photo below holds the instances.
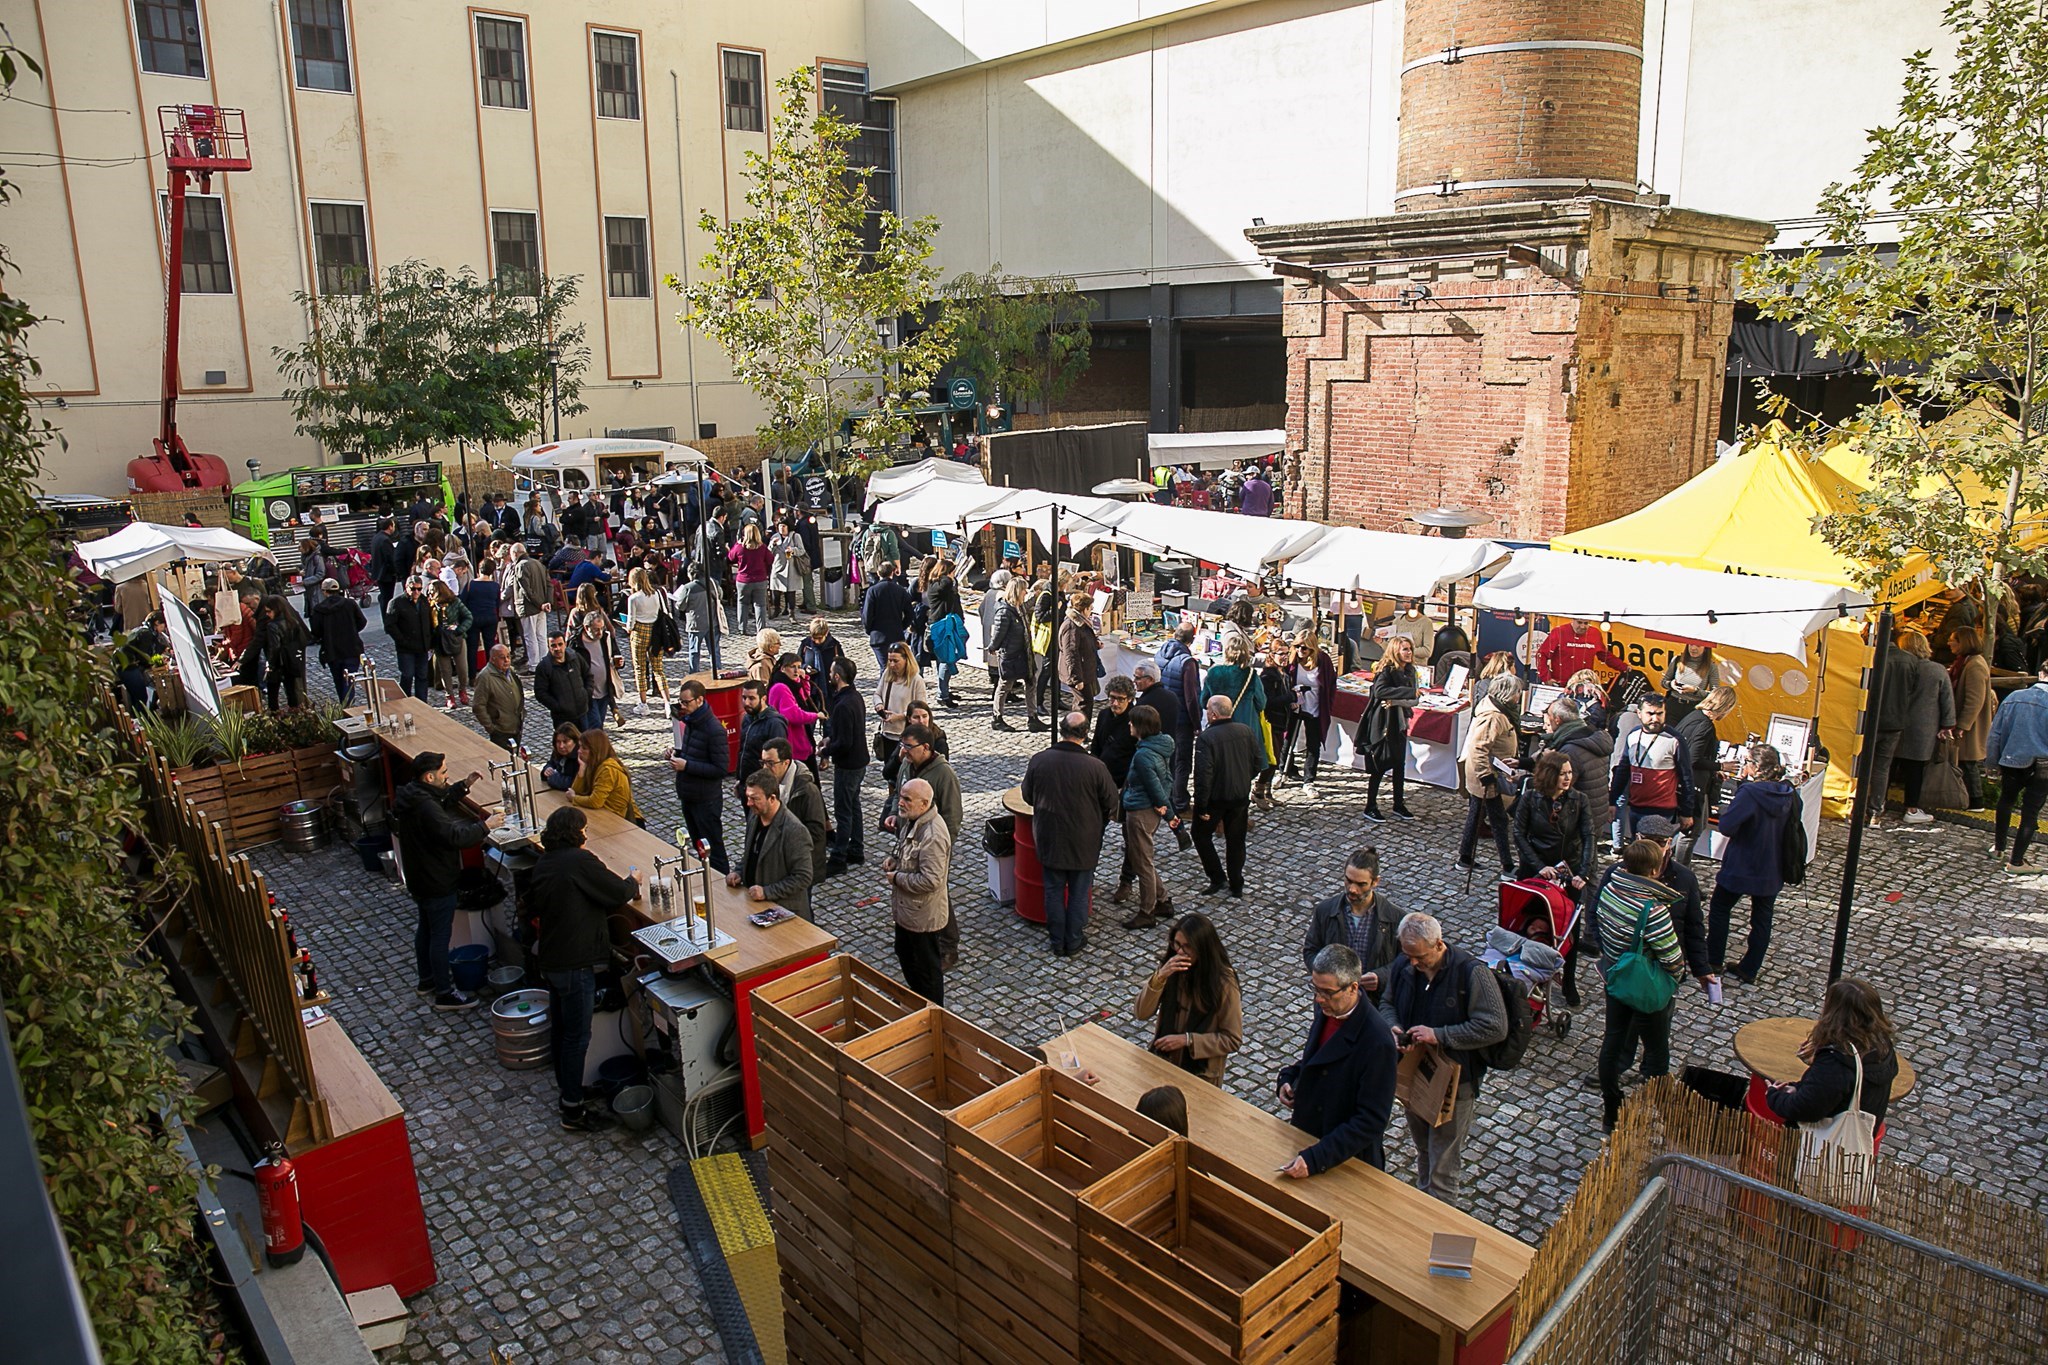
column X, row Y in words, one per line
column 800, row 1022
column 319, row 771
column 247, row 797
column 1018, row 1158
column 1186, row 1258
column 895, row 1086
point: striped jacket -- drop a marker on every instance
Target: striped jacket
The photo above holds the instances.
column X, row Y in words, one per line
column 1626, row 899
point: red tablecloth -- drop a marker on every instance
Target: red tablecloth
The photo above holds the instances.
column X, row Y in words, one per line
column 1433, row 727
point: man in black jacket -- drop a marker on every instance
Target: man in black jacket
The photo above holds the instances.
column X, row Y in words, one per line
column 700, row 766
column 1227, row 757
column 1072, row 800
column 845, row 747
column 1342, row 1088
column 410, row 623
column 433, row 829
column 337, row 626
column 800, row 794
column 885, row 614
column 1362, row 917
column 777, row 863
column 562, row 683
column 1702, row 746
column 574, row 896
column 384, row 561
column 759, row 723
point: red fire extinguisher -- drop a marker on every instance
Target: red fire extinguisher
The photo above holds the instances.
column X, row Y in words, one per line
column 277, row 1192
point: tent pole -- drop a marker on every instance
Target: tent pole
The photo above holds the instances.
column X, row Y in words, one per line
column 1866, row 764
column 1052, row 729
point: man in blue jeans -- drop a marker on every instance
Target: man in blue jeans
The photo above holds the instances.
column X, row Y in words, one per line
column 574, row 896
column 845, row 747
column 700, row 762
column 1072, row 798
column 433, row 828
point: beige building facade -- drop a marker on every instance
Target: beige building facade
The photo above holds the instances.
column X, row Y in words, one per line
column 582, row 137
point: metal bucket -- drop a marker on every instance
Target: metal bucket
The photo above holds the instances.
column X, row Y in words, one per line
column 519, row 1027
column 305, row 826
column 634, row 1106
column 503, row 979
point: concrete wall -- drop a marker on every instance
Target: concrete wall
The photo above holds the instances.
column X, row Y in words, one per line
column 413, row 144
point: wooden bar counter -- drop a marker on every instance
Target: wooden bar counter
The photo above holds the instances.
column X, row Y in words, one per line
column 1388, row 1224
column 757, row 955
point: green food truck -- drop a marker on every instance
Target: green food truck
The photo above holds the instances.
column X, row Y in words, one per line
column 276, row 508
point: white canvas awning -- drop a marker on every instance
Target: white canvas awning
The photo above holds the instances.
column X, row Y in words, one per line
column 584, row 453
column 1244, row 544
column 900, row 479
column 936, row 506
column 1768, row 615
column 1212, row 449
column 143, row 546
column 1348, row 559
column 1081, row 515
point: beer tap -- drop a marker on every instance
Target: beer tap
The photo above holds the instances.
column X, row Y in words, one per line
column 667, row 895
column 508, row 794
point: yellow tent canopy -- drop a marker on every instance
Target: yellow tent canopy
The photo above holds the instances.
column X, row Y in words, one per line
column 1846, row 457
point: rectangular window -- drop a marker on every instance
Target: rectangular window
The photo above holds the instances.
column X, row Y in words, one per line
column 501, row 62
column 341, row 249
column 320, row 44
column 167, row 31
column 618, row 74
column 515, row 252
column 743, row 93
column 844, row 93
column 206, row 245
column 625, row 258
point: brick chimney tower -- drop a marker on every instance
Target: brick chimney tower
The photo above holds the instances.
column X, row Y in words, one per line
column 1532, row 335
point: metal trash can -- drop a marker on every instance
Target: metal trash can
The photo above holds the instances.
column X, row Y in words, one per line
column 305, row 826
column 999, row 841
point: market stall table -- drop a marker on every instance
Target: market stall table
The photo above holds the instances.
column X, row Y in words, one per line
column 1435, row 738
column 755, row 957
column 1810, row 793
column 1388, row 1224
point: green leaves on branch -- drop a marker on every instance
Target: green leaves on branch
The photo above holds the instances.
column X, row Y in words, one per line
column 424, row 357
column 792, row 290
column 1956, row 317
column 1025, row 337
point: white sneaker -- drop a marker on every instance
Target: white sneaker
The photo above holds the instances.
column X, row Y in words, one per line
column 1917, row 817
column 1308, row 789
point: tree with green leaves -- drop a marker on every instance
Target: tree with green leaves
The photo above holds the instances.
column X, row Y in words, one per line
column 793, row 290
column 1956, row 317
column 1024, row 338
column 88, row 1015
column 425, row 357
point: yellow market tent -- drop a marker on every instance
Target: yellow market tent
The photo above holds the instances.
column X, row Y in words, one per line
column 1752, row 513
column 1847, row 458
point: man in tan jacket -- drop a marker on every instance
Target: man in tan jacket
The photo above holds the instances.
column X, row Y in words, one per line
column 499, row 702
column 916, row 875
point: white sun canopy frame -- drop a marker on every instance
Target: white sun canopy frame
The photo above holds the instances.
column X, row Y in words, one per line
column 1246, row 545
column 1767, row 615
column 144, row 546
column 937, row 506
column 1212, row 449
column 1388, row 563
column 901, row 479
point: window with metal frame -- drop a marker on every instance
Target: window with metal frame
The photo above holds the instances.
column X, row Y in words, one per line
column 843, row 91
column 501, row 61
column 341, row 249
column 625, row 258
column 618, row 74
column 206, row 268
column 744, row 96
column 320, row 45
column 167, row 35
column 515, row 252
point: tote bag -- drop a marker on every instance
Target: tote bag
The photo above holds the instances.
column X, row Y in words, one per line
column 1837, row 1155
column 1639, row 982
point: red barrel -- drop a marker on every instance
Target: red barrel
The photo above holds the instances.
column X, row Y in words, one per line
column 1030, row 874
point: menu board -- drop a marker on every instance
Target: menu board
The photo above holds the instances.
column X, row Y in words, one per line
column 312, row 483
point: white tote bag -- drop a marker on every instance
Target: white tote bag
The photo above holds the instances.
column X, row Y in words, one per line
column 1837, row 1156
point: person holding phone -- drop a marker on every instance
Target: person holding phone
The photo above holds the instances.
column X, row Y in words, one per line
column 1194, row 995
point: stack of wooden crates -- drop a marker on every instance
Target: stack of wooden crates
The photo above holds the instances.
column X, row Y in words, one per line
column 940, row 1196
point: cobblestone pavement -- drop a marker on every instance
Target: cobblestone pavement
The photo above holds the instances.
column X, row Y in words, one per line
column 557, row 1246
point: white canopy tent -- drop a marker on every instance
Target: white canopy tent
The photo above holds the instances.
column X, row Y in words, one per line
column 1212, row 449
column 550, row 465
column 900, row 479
column 1348, row 559
column 144, row 546
column 1080, row 514
column 937, row 506
column 1245, row 544
column 1767, row 615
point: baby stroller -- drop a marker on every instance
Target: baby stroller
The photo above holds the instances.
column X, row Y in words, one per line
column 1537, row 917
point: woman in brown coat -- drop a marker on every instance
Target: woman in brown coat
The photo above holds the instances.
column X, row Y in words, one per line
column 1976, row 704
column 1195, row 995
column 1080, row 653
column 1491, row 744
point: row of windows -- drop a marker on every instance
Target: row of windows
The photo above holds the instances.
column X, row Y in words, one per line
column 168, row 35
column 341, row 251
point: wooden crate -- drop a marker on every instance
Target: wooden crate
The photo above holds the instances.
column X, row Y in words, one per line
column 319, row 771
column 896, row 1085
column 1186, row 1258
column 1017, row 1160
column 254, row 794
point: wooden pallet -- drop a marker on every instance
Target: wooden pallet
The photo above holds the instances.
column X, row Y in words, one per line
column 1186, row 1260
column 896, row 1084
column 1017, row 1159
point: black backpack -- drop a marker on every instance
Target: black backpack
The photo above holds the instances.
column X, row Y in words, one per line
column 1506, row 1054
column 1792, row 849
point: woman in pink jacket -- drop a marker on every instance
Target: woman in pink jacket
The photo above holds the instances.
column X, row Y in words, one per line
column 752, row 562
column 791, row 688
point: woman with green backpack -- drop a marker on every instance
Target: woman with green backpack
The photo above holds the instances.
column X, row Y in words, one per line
column 1643, row 963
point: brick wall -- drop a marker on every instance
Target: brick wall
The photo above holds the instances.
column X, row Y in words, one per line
column 1543, row 113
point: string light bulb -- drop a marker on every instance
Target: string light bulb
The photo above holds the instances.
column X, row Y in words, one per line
column 1521, row 618
column 1606, row 619
column 1712, row 619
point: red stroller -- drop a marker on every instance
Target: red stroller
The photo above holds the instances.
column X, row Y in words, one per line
column 1541, row 911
